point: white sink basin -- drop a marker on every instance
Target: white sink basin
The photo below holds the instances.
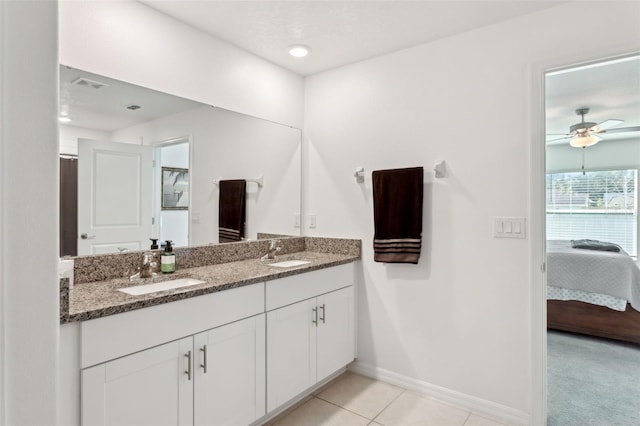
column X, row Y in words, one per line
column 289, row 263
column 161, row 286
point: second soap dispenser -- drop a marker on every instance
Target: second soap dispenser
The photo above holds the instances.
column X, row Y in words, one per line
column 168, row 259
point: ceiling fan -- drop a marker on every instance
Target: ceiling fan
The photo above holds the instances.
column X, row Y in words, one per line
column 585, row 133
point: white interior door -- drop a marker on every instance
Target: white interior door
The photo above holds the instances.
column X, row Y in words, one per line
column 114, row 196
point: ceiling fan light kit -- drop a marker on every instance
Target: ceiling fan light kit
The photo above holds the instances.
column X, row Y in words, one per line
column 583, row 140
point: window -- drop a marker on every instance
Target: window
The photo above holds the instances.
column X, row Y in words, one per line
column 598, row 205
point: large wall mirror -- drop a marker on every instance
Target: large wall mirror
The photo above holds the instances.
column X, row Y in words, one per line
column 139, row 164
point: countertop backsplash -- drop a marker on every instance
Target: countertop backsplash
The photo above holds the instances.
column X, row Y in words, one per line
column 123, row 265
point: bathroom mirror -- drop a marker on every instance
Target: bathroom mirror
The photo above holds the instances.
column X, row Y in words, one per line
column 109, row 121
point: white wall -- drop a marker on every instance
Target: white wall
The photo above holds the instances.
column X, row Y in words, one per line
column 459, row 324
column 131, row 42
column 230, row 145
column 69, row 136
column 28, row 212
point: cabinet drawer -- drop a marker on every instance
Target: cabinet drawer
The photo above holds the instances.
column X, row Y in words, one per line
column 114, row 336
column 285, row 291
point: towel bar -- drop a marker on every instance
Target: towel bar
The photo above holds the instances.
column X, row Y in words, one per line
column 439, row 168
column 259, row 180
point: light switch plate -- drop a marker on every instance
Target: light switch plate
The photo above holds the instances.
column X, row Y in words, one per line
column 312, row 221
column 509, row 227
column 296, row 220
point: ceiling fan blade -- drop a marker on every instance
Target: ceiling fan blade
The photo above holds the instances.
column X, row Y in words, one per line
column 622, row 130
column 557, row 139
column 606, row 124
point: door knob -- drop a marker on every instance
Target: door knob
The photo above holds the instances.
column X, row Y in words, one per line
column 86, row 236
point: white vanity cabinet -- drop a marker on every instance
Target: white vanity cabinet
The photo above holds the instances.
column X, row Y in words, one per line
column 150, row 387
column 225, row 358
column 335, row 331
column 310, row 331
column 216, row 376
column 229, row 382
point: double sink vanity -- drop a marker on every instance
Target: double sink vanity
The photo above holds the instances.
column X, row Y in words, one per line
column 227, row 339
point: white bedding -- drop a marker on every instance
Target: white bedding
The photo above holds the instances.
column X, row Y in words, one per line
column 592, row 271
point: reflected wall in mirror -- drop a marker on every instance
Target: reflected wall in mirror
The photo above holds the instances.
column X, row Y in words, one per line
column 117, row 127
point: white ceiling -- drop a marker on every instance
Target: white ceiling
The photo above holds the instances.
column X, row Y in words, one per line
column 105, row 109
column 338, row 32
column 342, row 32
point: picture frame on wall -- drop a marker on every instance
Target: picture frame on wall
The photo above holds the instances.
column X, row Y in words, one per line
column 175, row 188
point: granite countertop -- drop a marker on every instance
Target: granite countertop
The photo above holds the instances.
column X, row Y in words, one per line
column 92, row 300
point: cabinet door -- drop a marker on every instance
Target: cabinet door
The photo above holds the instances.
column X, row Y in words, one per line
column 231, row 389
column 291, row 351
column 336, row 340
column 146, row 388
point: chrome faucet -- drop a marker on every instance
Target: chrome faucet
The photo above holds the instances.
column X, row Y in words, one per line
column 274, row 247
column 149, row 265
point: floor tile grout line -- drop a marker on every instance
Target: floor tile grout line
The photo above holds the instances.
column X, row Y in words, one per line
column 286, row 413
column 343, row 408
column 442, row 402
column 387, row 406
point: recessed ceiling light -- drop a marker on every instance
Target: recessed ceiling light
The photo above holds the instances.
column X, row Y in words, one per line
column 299, row 50
column 64, row 119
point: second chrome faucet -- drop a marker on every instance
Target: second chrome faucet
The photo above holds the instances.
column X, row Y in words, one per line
column 274, row 247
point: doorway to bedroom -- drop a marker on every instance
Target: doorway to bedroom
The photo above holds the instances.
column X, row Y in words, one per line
column 592, row 121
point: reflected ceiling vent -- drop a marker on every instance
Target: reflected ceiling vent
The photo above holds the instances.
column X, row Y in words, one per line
column 85, row 82
column 133, row 107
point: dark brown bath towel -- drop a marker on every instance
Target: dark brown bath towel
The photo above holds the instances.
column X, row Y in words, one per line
column 397, row 215
column 232, row 210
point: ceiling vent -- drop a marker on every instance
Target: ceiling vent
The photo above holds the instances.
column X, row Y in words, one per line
column 85, row 82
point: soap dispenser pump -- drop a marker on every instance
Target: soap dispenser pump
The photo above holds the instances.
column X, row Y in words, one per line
column 168, row 259
column 154, row 243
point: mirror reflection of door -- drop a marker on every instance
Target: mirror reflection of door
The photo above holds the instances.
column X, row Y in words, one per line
column 114, row 196
column 171, row 217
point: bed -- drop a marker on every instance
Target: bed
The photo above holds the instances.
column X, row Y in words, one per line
column 593, row 292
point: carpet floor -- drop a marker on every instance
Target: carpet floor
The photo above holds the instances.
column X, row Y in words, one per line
column 591, row 381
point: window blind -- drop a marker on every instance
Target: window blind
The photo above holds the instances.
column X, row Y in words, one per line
column 597, row 205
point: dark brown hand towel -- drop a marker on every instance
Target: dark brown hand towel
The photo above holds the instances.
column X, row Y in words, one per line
column 397, row 215
column 232, row 210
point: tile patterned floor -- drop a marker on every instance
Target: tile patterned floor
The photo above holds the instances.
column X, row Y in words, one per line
column 354, row 400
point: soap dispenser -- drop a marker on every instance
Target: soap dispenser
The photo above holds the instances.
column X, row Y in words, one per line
column 154, row 243
column 168, row 259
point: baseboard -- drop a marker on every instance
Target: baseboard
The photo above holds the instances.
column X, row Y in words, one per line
column 482, row 407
